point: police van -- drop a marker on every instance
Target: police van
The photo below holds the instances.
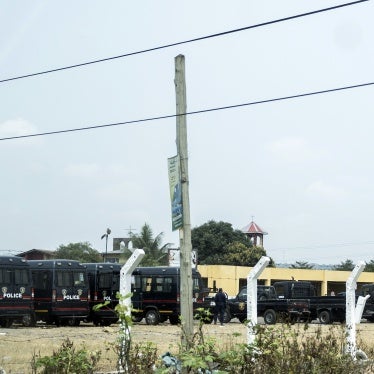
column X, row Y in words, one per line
column 16, row 297
column 104, row 280
column 61, row 291
column 156, row 294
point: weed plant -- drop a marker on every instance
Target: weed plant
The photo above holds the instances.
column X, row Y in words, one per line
column 66, row 360
column 277, row 349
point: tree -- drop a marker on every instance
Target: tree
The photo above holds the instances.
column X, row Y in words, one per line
column 218, row 243
column 240, row 255
column 82, row 252
column 301, row 265
column 154, row 253
column 369, row 266
column 346, row 265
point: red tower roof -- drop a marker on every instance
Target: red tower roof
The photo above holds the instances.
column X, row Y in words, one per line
column 253, row 228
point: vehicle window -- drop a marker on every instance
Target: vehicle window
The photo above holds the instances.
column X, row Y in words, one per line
column 280, row 291
column 163, row 284
column 196, row 286
column 63, row 279
column 5, row 276
column 146, row 284
column 116, row 281
column 301, row 292
column 79, row 278
column 105, row 280
column 243, row 294
column 21, row 276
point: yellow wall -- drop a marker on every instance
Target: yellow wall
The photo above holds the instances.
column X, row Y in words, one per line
column 228, row 277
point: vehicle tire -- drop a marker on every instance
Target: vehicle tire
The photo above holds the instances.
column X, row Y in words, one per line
column 270, row 317
column 96, row 322
column 28, row 320
column 72, row 322
column 6, row 322
column 226, row 316
column 152, row 317
column 242, row 319
column 262, row 297
column 174, row 320
column 105, row 322
column 136, row 318
column 208, row 320
column 324, row 317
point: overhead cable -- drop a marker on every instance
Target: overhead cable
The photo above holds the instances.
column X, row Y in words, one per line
column 190, row 113
column 182, row 42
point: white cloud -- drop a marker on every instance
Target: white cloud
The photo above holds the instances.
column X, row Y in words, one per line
column 19, row 127
column 324, row 190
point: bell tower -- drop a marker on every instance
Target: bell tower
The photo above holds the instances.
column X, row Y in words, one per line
column 255, row 233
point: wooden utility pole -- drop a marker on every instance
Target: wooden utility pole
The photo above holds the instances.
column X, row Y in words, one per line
column 184, row 233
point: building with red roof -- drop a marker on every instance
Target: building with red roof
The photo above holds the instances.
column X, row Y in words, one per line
column 255, row 233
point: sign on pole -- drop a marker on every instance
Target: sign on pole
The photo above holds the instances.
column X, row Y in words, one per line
column 175, row 193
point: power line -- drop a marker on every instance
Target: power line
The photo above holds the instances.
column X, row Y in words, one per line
column 191, row 113
column 183, row 42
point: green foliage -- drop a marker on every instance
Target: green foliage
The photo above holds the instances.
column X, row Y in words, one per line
column 198, row 353
column 240, row 255
column 82, row 252
column 66, row 360
column 218, row 243
column 301, row 265
column 122, row 346
column 212, row 239
column 370, row 266
column 346, row 265
column 155, row 254
column 278, row 349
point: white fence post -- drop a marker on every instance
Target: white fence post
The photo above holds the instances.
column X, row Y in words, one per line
column 125, row 276
column 252, row 296
column 350, row 315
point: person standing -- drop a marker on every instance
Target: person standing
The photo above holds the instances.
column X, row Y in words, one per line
column 219, row 311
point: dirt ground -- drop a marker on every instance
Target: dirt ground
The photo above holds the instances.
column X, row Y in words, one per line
column 18, row 344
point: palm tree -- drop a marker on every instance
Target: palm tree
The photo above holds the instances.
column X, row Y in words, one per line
column 155, row 254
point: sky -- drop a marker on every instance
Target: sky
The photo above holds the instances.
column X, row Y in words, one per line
column 302, row 168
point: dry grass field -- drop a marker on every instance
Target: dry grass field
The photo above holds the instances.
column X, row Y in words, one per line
column 18, row 344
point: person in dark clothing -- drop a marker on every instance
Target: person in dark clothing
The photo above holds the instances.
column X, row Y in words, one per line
column 219, row 310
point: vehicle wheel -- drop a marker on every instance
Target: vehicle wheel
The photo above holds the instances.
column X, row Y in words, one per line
column 262, row 297
column 208, row 320
column 6, row 322
column 242, row 319
column 136, row 318
column 226, row 316
column 72, row 322
column 152, row 317
column 324, row 317
column 28, row 321
column 174, row 320
column 270, row 317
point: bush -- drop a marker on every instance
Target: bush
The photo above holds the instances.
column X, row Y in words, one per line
column 66, row 360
